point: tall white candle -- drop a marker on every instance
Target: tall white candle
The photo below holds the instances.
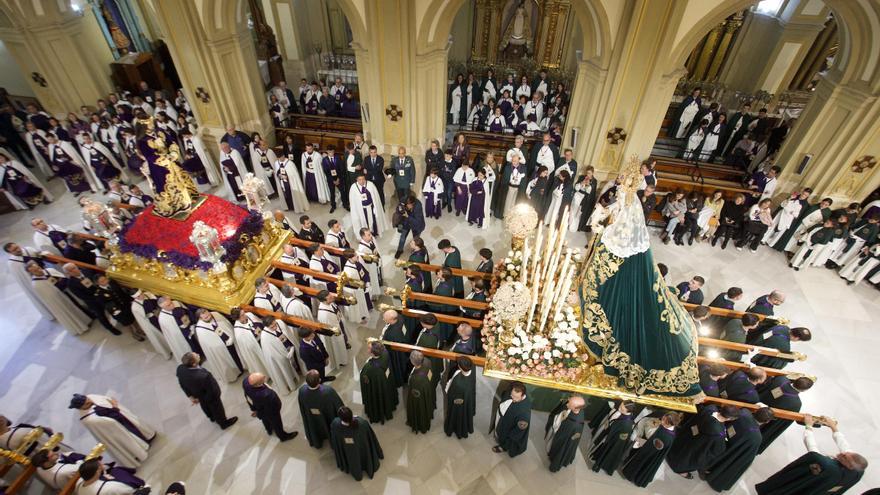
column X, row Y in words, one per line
column 524, row 266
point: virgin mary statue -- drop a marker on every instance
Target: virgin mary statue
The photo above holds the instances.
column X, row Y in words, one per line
column 632, row 325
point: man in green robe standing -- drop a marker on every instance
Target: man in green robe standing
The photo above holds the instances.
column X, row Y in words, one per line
column 420, row 394
column 512, row 430
column 452, row 259
column 743, row 441
column 395, row 331
column 318, row 405
column 815, row 473
column 445, row 287
column 653, row 440
column 354, row 445
column 430, row 338
column 702, row 441
column 563, row 432
column 461, row 400
column 612, row 441
column 377, row 390
column 778, row 337
column 780, row 392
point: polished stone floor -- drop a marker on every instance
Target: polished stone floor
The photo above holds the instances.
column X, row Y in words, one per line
column 41, row 366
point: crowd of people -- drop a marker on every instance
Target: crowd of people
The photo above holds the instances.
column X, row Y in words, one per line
column 276, row 358
column 315, row 98
column 515, row 105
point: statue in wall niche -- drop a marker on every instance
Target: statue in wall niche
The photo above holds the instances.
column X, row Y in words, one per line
column 520, row 24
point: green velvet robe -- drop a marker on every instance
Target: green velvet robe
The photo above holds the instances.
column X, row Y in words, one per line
column 356, row 449
column 743, row 441
column 318, row 408
column 512, row 432
column 611, row 445
column 777, row 392
column 698, row 444
column 398, row 361
column 453, row 260
column 777, row 337
column 445, row 331
column 420, row 399
column 461, row 405
column 564, row 444
column 642, row 465
column 430, row 340
column 377, row 390
column 810, row 474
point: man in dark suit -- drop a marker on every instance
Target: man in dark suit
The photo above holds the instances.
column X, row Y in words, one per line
column 309, row 231
column 374, row 166
column 691, row 292
column 265, row 405
column 333, row 171
column 200, row 386
column 78, row 249
column 412, row 220
column 404, row 170
column 86, row 290
column 313, row 353
column 238, row 141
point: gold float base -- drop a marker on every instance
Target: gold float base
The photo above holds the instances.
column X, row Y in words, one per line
column 218, row 292
column 597, row 383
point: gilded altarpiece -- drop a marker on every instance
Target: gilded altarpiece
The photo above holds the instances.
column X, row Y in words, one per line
column 508, row 31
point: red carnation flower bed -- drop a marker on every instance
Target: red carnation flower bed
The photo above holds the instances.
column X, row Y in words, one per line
column 169, row 235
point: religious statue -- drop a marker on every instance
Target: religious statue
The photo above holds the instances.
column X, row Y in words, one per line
column 175, row 191
column 637, row 330
column 518, row 33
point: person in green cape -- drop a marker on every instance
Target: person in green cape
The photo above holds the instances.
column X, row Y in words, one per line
column 414, row 279
column 612, row 442
column 777, row 337
column 395, row 331
column 377, row 389
column 512, row 430
column 815, row 473
column 445, row 287
column 563, row 432
column 653, row 440
column 452, row 259
column 318, row 405
column 420, row 392
column 461, row 400
column 702, row 441
column 743, row 441
column 808, row 216
column 429, row 338
column 781, row 392
column 354, row 445
column 420, row 255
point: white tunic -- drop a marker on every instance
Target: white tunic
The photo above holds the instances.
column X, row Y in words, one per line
column 295, row 307
column 335, row 345
column 297, row 192
column 359, row 311
column 278, row 362
column 154, row 335
column 854, row 272
column 103, row 487
column 125, row 447
column 362, row 216
column 783, row 220
column 218, row 360
column 259, row 171
column 269, row 300
column 62, row 308
column 545, row 157
column 372, row 268
column 57, row 476
column 248, row 347
column 18, row 270
column 315, row 168
column 43, row 242
column 240, row 168
column 173, row 335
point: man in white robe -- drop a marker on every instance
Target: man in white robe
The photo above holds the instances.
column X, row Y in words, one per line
column 290, row 187
column 788, row 213
column 56, row 469
column 77, row 159
column 366, row 210
column 355, row 270
column 126, row 437
column 233, row 171
column 38, row 144
column 296, row 256
column 97, row 479
column 12, row 437
column 246, row 341
column 517, row 150
column 216, row 339
column 319, row 262
column 50, row 238
column 176, row 327
column 145, row 309
column 337, row 345
column 12, row 167
column 17, row 265
column 367, row 246
column 48, row 285
column 267, row 296
column 279, row 356
column 263, row 161
column 314, row 180
column 292, row 305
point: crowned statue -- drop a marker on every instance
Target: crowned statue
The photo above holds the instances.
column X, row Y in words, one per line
column 633, row 326
column 175, row 191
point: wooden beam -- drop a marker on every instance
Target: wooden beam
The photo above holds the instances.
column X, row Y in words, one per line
column 425, row 267
column 451, row 301
column 767, row 351
column 21, row 481
column 327, row 277
column 727, row 313
column 296, row 241
column 479, row 361
column 298, row 322
column 452, row 320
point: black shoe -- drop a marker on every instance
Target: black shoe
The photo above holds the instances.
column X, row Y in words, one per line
column 114, row 331
column 328, row 379
column 229, row 422
column 679, row 242
column 714, row 241
column 690, row 241
column 177, row 488
column 288, row 436
column 663, row 236
column 332, row 208
column 398, row 254
column 666, row 240
column 724, row 244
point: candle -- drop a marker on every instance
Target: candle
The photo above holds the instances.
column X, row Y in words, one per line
column 566, row 286
column 562, row 274
column 537, row 254
column 524, row 266
column 547, row 254
column 534, row 300
column 545, row 302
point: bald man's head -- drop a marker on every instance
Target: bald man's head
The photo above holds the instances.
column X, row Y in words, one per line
column 576, row 403
column 390, row 316
column 256, row 379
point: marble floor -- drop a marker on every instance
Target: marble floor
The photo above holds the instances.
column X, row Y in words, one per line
column 41, row 365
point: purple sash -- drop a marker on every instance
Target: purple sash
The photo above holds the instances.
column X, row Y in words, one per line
column 116, row 415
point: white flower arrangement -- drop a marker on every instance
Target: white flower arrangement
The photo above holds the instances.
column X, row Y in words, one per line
column 511, row 301
column 522, row 221
column 509, row 270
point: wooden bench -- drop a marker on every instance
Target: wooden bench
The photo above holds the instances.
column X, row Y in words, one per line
column 678, row 166
column 671, row 182
column 320, row 130
column 484, row 142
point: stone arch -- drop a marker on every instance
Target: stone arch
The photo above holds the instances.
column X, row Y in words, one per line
column 433, row 33
column 859, row 23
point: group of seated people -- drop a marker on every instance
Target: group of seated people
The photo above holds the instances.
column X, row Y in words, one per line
column 523, row 107
column 315, row 98
column 59, row 466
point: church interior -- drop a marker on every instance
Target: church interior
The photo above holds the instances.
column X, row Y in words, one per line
column 439, row 246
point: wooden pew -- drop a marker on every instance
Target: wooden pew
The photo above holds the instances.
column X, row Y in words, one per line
column 321, row 130
column 481, row 362
column 671, row 182
column 667, row 165
column 481, row 142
